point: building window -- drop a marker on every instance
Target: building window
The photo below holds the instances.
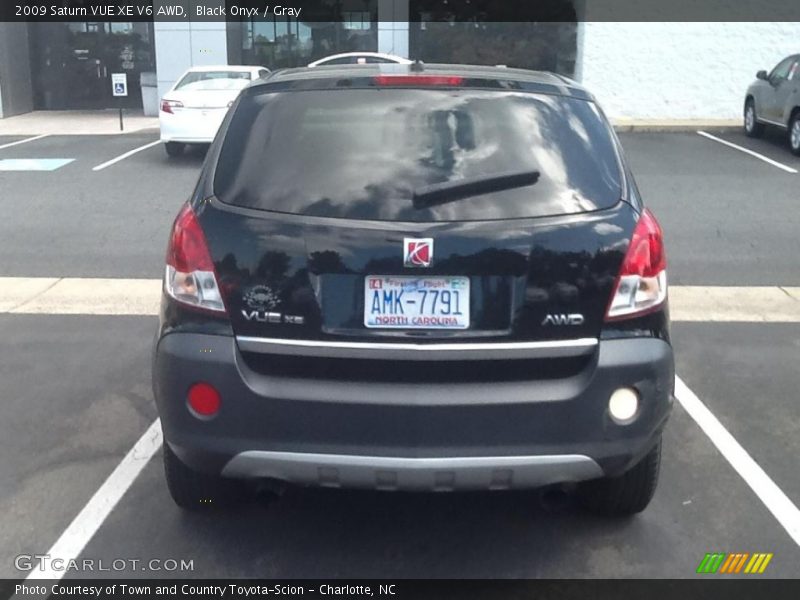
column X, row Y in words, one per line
column 278, row 42
column 357, row 20
column 542, row 35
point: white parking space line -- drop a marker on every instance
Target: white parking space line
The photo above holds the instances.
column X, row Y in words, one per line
column 94, row 296
column 778, row 503
column 25, row 141
column 91, row 517
column 128, row 154
column 766, row 159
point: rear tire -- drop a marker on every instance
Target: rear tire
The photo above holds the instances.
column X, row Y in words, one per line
column 192, row 490
column 174, row 148
column 626, row 494
column 794, row 133
column 752, row 128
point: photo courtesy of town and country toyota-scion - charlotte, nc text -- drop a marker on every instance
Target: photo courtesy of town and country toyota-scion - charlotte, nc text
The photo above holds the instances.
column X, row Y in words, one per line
column 162, row 9
column 202, row 590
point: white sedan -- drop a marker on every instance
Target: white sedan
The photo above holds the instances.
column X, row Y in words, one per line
column 359, row 58
column 192, row 111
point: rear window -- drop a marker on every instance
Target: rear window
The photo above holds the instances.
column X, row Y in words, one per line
column 362, row 153
column 214, row 80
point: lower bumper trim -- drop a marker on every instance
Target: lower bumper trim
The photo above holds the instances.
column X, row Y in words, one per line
column 187, row 140
column 412, row 351
column 413, row 474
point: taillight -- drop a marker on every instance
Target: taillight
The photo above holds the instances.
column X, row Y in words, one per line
column 190, row 277
column 419, row 80
column 168, row 105
column 642, row 283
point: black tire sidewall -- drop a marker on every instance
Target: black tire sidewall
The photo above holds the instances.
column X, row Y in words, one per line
column 626, row 494
column 174, row 148
column 754, row 130
column 795, row 149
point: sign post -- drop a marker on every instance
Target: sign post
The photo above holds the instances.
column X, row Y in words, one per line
column 119, row 88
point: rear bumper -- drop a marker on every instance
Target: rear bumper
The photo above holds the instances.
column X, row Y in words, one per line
column 419, row 474
column 189, row 128
column 510, row 434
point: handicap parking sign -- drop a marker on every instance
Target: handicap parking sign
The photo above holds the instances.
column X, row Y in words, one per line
column 119, row 82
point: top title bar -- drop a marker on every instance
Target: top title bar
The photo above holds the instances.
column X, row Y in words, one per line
column 479, row 11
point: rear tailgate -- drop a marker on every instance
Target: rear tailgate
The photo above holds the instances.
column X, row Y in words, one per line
column 317, row 231
column 530, row 280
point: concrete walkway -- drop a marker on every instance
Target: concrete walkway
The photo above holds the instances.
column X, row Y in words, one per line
column 91, row 296
column 676, row 125
column 77, row 122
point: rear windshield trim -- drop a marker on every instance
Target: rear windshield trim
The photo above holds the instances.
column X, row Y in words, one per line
column 377, row 224
column 309, row 83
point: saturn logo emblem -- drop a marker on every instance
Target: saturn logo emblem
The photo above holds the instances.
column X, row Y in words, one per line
column 417, row 252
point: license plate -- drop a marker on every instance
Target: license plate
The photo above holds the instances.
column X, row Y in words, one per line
column 416, row 302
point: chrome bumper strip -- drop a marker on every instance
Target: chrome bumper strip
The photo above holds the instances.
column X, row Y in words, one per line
column 407, row 351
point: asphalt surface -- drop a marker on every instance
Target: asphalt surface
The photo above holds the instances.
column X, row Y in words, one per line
column 729, row 219
column 76, row 394
column 109, row 223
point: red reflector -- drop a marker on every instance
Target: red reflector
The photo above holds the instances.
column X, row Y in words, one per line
column 451, row 80
column 187, row 251
column 204, row 399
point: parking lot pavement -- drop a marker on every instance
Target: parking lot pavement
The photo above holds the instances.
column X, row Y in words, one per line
column 773, row 144
column 736, row 212
column 76, row 393
column 76, row 221
column 67, row 432
column 9, row 140
column 746, row 373
column 90, row 401
column 88, row 150
column 701, row 506
column 728, row 218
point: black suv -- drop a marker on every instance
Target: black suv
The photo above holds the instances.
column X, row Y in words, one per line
column 409, row 277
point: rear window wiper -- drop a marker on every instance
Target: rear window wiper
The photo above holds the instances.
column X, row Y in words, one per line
column 449, row 191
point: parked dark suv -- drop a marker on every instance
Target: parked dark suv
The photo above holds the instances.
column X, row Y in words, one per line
column 409, row 277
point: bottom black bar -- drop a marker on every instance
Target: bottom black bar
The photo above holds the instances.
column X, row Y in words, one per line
column 440, row 589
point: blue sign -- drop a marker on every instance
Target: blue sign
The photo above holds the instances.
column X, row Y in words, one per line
column 119, row 84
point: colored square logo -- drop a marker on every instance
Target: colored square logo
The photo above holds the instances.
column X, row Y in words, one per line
column 417, row 252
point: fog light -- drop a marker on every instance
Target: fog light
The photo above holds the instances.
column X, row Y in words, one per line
column 623, row 405
column 204, row 400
